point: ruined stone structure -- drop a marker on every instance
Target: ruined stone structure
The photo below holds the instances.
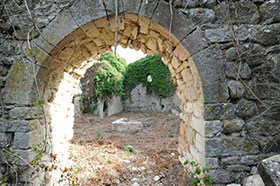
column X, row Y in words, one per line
column 224, row 57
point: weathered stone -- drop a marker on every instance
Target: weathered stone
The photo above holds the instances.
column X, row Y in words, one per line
column 226, row 146
column 27, row 140
column 270, row 11
column 6, row 140
column 238, row 168
column 25, row 113
column 237, row 12
column 269, row 170
column 123, row 125
column 213, row 128
column 19, row 125
column 221, row 176
column 147, row 9
column 200, row 15
column 266, row 35
column 18, row 83
column 82, row 13
column 234, row 71
column 231, row 54
column 253, row 159
column 212, row 163
column 245, row 108
column 214, row 91
column 219, row 111
column 221, row 34
column 115, row 106
column 22, row 157
column 263, row 91
column 194, row 42
column 252, row 54
column 232, row 160
column 254, row 180
column 236, row 89
column 231, row 126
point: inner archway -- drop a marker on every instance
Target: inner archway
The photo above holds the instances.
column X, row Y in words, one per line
column 94, row 38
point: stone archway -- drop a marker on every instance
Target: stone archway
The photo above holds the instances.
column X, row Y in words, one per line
column 78, row 34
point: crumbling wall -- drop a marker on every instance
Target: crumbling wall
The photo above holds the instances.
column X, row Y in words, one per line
column 226, row 67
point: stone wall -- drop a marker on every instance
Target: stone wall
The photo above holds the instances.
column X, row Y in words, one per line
column 140, row 100
column 224, row 57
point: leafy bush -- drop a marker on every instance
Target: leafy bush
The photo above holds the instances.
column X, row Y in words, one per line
column 139, row 71
column 109, row 77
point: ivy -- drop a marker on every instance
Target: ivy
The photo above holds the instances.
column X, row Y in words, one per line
column 152, row 66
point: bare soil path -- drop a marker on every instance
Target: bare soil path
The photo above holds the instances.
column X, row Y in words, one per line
column 101, row 155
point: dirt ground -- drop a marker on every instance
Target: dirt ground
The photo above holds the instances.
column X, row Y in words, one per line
column 103, row 156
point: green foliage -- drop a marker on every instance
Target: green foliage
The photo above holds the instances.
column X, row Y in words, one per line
column 199, row 174
column 109, row 77
column 38, row 149
column 38, row 103
column 138, row 72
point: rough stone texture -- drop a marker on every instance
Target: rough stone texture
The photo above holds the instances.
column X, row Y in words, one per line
column 269, row 170
column 219, row 111
column 212, row 56
column 142, row 101
column 123, row 125
column 233, row 71
column 270, row 11
column 251, row 43
column 213, row 128
column 254, row 180
column 225, row 146
column 115, row 106
column 236, row 89
column 221, row 176
column 231, row 126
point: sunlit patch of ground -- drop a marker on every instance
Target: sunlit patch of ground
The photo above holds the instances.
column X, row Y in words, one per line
column 101, row 156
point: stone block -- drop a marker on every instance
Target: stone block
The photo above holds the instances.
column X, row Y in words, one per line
column 23, row 157
column 231, row 160
column 19, row 83
column 270, row 12
column 269, row 170
column 266, row 35
column 219, row 111
column 115, row 106
column 23, row 140
column 200, row 15
column 231, row 126
column 245, row 108
column 225, row 146
column 240, row 12
column 198, row 125
column 217, row 35
column 216, row 89
column 194, row 42
column 6, row 140
column 234, row 71
column 19, row 125
column 213, row 128
column 123, row 125
column 147, row 9
column 221, row 176
column 212, row 163
column 254, row 180
column 82, row 13
column 25, row 113
column 238, row 168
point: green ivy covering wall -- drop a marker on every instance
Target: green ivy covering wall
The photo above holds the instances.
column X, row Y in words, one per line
column 139, row 71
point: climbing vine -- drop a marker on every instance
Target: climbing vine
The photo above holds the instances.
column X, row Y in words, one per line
column 151, row 67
